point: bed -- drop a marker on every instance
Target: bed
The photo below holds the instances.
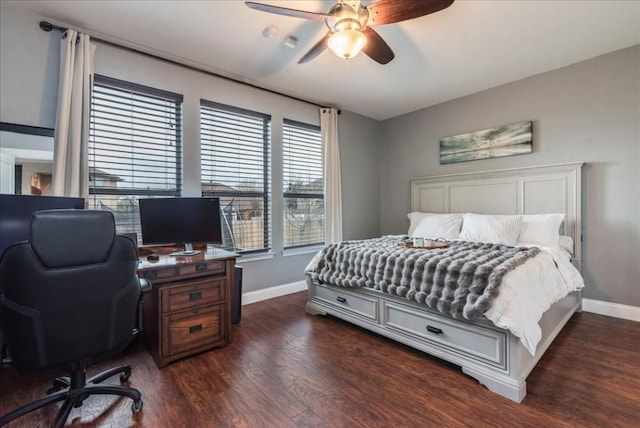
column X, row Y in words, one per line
column 487, row 348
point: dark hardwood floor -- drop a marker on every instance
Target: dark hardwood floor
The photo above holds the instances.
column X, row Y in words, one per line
column 289, row 369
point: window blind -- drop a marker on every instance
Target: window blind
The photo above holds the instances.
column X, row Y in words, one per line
column 135, row 148
column 234, row 149
column 303, row 184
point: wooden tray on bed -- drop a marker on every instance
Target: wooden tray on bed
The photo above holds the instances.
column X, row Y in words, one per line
column 429, row 244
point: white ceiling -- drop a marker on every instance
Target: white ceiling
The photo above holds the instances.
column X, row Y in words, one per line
column 466, row 48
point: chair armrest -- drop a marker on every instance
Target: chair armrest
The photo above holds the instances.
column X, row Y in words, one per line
column 145, row 285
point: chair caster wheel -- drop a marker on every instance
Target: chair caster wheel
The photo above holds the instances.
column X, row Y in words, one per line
column 136, row 407
column 57, row 385
column 125, row 374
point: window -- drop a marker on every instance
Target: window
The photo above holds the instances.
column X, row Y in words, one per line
column 135, row 148
column 303, row 184
column 234, row 148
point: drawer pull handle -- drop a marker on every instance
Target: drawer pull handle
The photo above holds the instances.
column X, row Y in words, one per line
column 195, row 295
column 201, row 267
column 195, row 328
column 435, row 330
column 341, row 299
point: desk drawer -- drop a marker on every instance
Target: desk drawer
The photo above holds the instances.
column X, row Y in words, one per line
column 190, row 330
column 159, row 273
column 193, row 293
column 361, row 305
column 208, row 266
column 468, row 339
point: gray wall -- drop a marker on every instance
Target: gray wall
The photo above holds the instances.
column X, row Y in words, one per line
column 28, row 70
column 360, row 168
column 29, row 65
column 588, row 112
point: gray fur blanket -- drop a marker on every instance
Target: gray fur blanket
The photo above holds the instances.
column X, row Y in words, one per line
column 461, row 280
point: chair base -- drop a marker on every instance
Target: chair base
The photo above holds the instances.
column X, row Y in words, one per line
column 73, row 390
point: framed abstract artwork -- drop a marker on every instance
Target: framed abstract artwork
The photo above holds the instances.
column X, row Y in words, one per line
column 507, row 140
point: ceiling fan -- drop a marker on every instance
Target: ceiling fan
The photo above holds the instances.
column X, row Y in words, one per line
column 349, row 24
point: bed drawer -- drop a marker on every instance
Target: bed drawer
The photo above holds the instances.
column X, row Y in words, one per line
column 470, row 340
column 363, row 306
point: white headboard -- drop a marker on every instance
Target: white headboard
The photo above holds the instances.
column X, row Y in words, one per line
column 527, row 190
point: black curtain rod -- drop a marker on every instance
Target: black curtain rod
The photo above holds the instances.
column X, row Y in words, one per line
column 47, row 26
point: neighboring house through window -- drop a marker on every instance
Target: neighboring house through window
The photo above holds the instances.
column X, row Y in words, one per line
column 135, row 148
column 303, row 213
column 135, row 151
column 235, row 152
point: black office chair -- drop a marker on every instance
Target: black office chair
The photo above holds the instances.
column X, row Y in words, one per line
column 68, row 298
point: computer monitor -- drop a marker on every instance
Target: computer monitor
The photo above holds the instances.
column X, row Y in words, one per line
column 16, row 210
column 180, row 221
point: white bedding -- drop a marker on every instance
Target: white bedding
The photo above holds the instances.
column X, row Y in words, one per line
column 531, row 289
column 528, row 291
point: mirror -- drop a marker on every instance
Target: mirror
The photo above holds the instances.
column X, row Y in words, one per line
column 26, row 159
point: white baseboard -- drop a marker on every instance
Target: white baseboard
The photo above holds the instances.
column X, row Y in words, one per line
column 616, row 310
column 271, row 292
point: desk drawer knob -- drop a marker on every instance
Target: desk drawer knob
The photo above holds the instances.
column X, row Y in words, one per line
column 195, row 328
column 200, row 267
column 341, row 299
column 195, row 295
column 435, row 330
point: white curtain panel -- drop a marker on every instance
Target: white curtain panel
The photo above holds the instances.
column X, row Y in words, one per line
column 71, row 139
column 332, row 181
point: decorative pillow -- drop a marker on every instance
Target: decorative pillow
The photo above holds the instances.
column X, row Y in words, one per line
column 496, row 229
column 541, row 229
column 433, row 226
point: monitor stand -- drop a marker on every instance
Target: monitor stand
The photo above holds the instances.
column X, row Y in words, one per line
column 188, row 251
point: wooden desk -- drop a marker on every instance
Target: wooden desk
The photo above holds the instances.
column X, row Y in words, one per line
column 189, row 307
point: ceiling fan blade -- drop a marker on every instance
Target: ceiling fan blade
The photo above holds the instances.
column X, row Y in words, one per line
column 376, row 48
column 314, row 16
column 390, row 11
column 316, row 49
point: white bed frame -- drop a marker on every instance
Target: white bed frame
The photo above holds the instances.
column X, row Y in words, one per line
column 492, row 355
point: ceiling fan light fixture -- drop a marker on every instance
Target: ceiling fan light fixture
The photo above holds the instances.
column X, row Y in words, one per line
column 347, row 43
column 349, row 23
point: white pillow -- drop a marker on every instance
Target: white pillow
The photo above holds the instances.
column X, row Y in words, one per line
column 414, row 219
column 541, row 229
column 496, row 229
column 566, row 243
column 433, row 226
